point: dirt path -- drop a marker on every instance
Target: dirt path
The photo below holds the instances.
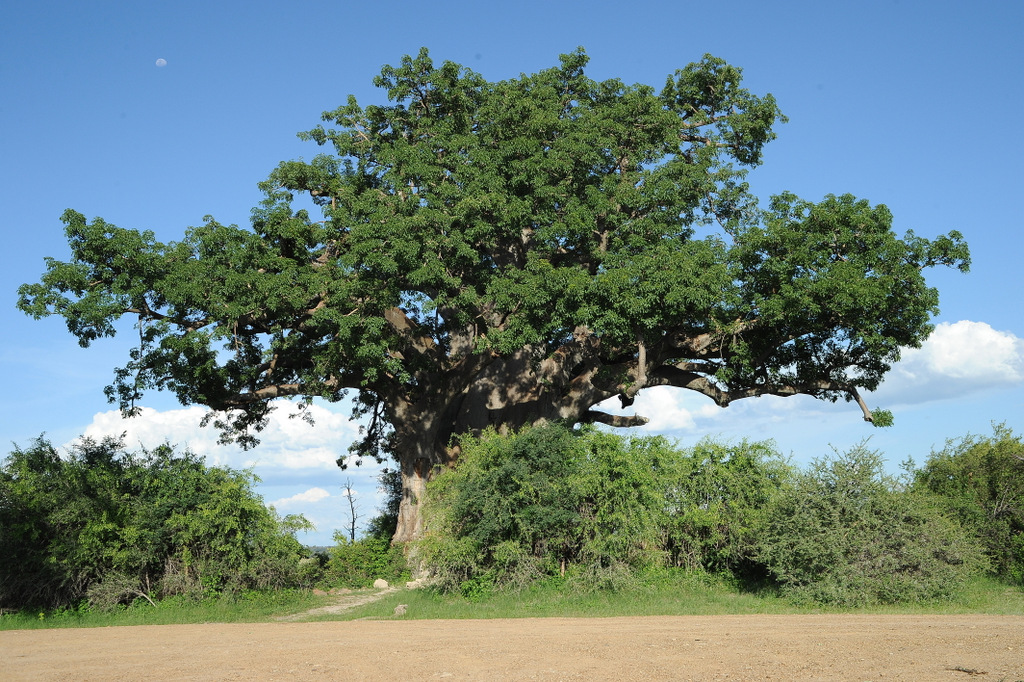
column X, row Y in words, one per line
column 340, row 603
column 811, row 647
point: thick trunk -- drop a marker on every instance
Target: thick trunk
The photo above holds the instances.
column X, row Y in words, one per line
column 423, row 433
column 508, row 394
column 417, row 468
column 414, row 487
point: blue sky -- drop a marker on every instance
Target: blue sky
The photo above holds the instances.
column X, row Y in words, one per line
column 908, row 103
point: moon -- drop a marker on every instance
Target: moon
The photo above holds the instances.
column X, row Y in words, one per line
column 161, row 62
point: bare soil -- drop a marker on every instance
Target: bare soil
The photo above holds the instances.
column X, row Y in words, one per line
column 802, row 647
column 349, row 600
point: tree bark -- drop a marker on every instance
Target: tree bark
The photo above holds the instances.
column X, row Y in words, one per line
column 507, row 393
column 416, row 471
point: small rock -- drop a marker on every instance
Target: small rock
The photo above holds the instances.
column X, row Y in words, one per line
column 381, row 584
column 414, row 584
column 401, row 609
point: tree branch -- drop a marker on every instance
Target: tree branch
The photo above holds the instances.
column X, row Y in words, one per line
column 268, row 393
column 620, row 421
column 405, row 328
column 668, row 375
column 868, row 417
column 150, row 314
column 640, row 380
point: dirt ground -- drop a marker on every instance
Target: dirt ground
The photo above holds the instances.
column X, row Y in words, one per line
column 804, row 647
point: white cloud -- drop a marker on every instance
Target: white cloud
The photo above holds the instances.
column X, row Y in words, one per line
column 958, row 358
column 287, row 442
column 668, row 409
column 971, row 350
column 150, row 427
column 304, row 499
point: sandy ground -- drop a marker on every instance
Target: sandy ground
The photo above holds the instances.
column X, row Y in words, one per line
column 804, row 647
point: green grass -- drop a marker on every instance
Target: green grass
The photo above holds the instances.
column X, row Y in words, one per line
column 248, row 607
column 665, row 594
column 557, row 601
column 669, row 595
column 982, row 595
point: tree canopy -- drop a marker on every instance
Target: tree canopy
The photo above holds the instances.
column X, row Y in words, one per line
column 505, row 253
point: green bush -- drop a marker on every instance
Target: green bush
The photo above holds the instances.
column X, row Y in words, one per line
column 717, row 497
column 981, row 482
column 592, row 507
column 595, row 510
column 507, row 511
column 359, row 563
column 844, row 533
column 619, row 492
column 113, row 526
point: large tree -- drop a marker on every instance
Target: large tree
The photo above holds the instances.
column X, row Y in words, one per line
column 504, row 253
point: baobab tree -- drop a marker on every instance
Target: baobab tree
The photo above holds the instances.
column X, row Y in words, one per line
column 506, row 253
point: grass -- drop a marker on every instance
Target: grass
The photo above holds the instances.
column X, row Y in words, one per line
column 669, row 594
column 552, row 600
column 248, row 607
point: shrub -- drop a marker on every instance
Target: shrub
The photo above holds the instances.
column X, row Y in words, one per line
column 844, row 533
column 506, row 511
column 717, row 497
column 113, row 525
column 547, row 501
column 359, row 563
column 981, row 482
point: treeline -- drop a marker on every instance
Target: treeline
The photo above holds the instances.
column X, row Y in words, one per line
column 99, row 526
column 103, row 526
column 597, row 510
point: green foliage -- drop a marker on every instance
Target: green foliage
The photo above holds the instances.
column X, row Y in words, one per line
column 593, row 507
column 844, row 533
column 538, row 234
column 359, row 563
column 618, row 501
column 538, row 503
column 592, row 510
column 109, row 525
column 248, row 606
column 717, row 497
column 507, row 509
column 981, row 482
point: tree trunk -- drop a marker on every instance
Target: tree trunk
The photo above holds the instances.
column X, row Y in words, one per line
column 422, row 434
column 416, row 471
column 507, row 394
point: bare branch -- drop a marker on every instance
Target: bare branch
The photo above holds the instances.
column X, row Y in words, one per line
column 270, row 392
column 405, row 328
column 640, row 380
column 620, row 421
